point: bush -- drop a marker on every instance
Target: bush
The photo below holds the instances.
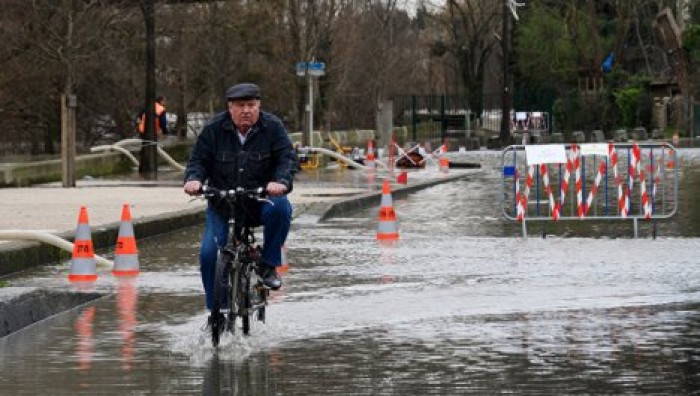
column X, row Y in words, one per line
column 635, row 105
column 626, row 101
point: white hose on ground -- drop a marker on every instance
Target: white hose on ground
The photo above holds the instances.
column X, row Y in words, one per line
column 337, row 156
column 119, row 146
column 170, row 160
column 116, row 148
column 46, row 237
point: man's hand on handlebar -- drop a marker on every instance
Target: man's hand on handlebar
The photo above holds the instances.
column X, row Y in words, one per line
column 276, row 189
column 193, row 187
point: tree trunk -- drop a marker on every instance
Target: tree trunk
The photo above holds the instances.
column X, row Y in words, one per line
column 148, row 166
column 504, row 133
column 181, row 125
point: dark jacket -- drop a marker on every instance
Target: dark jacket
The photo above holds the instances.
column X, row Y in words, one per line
column 219, row 159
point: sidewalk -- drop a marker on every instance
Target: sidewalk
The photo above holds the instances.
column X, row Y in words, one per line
column 155, row 208
column 55, row 209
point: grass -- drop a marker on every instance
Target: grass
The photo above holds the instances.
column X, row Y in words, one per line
column 4, row 283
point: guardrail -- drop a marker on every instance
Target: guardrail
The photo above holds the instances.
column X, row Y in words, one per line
column 595, row 181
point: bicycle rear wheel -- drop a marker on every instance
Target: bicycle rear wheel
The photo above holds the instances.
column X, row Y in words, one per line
column 221, row 297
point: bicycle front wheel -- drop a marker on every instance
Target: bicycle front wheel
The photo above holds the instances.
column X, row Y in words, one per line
column 221, row 296
column 243, row 297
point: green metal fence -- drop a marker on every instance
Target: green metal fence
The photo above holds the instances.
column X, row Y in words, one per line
column 433, row 118
column 436, row 118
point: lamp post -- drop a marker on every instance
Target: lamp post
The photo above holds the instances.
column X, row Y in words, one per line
column 310, row 70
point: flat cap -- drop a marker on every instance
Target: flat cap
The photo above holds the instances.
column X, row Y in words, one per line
column 243, row 91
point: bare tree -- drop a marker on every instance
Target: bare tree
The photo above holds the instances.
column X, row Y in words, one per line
column 469, row 36
column 53, row 45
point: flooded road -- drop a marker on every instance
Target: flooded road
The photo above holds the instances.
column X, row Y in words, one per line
column 459, row 305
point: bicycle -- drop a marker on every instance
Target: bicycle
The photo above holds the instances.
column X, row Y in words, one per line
column 237, row 285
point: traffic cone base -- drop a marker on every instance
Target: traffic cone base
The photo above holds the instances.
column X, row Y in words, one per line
column 284, row 266
column 387, row 236
column 444, row 164
column 125, row 273
column 82, row 278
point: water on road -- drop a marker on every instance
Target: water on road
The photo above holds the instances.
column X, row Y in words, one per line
column 459, row 305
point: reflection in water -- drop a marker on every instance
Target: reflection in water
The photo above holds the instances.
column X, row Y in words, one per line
column 84, row 343
column 570, row 352
column 387, row 259
column 82, row 286
column 253, row 376
column 127, row 298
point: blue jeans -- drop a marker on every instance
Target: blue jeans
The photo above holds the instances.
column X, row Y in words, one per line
column 275, row 219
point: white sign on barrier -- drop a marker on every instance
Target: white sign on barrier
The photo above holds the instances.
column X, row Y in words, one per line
column 545, row 154
column 594, row 149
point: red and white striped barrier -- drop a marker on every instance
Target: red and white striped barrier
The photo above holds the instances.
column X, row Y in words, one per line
column 637, row 159
column 657, row 177
column 576, row 153
column 521, row 198
column 548, row 190
column 594, row 189
column 621, row 201
column 564, row 183
column 583, row 204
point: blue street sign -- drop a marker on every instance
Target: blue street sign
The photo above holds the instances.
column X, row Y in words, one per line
column 316, row 68
column 301, row 69
column 313, row 68
column 317, row 65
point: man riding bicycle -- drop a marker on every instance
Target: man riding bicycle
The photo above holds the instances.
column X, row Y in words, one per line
column 243, row 147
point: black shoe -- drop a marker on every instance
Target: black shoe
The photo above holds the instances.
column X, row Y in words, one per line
column 269, row 276
column 221, row 321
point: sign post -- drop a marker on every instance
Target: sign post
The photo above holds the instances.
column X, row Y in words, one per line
column 69, row 103
column 310, row 70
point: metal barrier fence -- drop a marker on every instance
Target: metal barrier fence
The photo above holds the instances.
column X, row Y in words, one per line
column 620, row 181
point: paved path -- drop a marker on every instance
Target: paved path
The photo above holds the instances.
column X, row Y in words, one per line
column 55, row 209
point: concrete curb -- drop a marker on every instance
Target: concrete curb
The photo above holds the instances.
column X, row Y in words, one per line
column 23, row 306
column 19, row 256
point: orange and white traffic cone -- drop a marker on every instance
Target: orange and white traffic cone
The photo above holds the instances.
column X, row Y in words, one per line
column 83, row 266
column 369, row 157
column 284, row 266
column 444, row 162
column 126, row 258
column 387, row 230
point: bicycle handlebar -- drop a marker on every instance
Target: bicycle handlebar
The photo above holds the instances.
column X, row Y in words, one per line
column 258, row 194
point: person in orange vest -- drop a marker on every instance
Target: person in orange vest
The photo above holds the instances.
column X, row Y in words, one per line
column 161, row 122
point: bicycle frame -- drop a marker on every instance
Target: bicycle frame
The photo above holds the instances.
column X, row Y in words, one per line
column 236, row 280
